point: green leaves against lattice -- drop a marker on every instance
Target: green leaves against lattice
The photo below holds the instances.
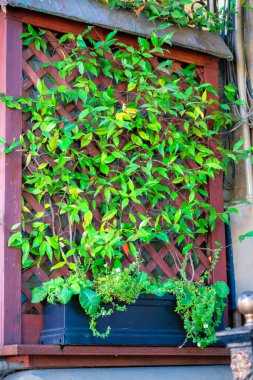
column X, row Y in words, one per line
column 139, row 136
column 129, row 165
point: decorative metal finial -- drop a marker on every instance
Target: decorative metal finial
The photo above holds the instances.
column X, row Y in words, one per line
column 245, row 306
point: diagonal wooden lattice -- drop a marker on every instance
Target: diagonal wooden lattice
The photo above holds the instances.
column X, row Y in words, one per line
column 159, row 258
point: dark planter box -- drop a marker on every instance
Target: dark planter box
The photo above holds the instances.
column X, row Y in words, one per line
column 151, row 321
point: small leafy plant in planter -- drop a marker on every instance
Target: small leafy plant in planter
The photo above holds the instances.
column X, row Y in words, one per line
column 201, row 307
column 113, row 176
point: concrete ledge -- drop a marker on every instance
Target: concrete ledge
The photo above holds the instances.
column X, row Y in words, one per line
column 140, row 373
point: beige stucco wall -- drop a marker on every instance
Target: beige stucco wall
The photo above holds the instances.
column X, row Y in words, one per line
column 243, row 252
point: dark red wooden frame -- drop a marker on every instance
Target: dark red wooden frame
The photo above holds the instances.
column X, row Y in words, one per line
column 95, row 356
column 11, row 327
column 10, row 177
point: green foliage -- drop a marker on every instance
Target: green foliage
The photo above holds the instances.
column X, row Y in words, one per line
column 117, row 154
column 246, row 235
column 89, row 300
column 201, row 309
column 181, row 13
column 34, row 36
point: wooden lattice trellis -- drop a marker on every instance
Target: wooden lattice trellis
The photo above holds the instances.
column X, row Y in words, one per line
column 159, row 258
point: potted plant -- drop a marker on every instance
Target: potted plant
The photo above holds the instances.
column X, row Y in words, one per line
column 149, row 316
column 127, row 167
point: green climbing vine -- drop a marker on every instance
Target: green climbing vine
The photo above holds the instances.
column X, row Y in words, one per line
column 182, row 13
column 114, row 176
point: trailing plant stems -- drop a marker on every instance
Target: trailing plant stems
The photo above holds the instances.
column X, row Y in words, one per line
column 241, row 77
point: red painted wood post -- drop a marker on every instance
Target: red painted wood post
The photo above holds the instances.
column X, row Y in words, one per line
column 10, row 182
column 216, row 193
column 216, row 199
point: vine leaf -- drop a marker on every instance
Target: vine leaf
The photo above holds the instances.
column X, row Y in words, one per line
column 125, row 248
column 138, row 11
column 89, row 300
column 222, row 289
column 65, row 295
column 109, row 215
column 244, row 236
column 39, row 294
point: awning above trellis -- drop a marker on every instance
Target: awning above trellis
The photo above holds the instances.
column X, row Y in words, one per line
column 94, row 13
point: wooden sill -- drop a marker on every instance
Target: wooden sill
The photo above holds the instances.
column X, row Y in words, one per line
column 55, row 356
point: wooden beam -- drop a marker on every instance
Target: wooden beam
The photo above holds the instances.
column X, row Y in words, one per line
column 46, row 21
column 120, row 361
column 54, row 356
column 55, row 349
column 215, row 190
column 10, row 180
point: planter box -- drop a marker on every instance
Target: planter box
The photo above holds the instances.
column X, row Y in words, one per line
column 150, row 321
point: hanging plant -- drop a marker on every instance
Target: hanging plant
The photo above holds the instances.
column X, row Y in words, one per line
column 128, row 168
